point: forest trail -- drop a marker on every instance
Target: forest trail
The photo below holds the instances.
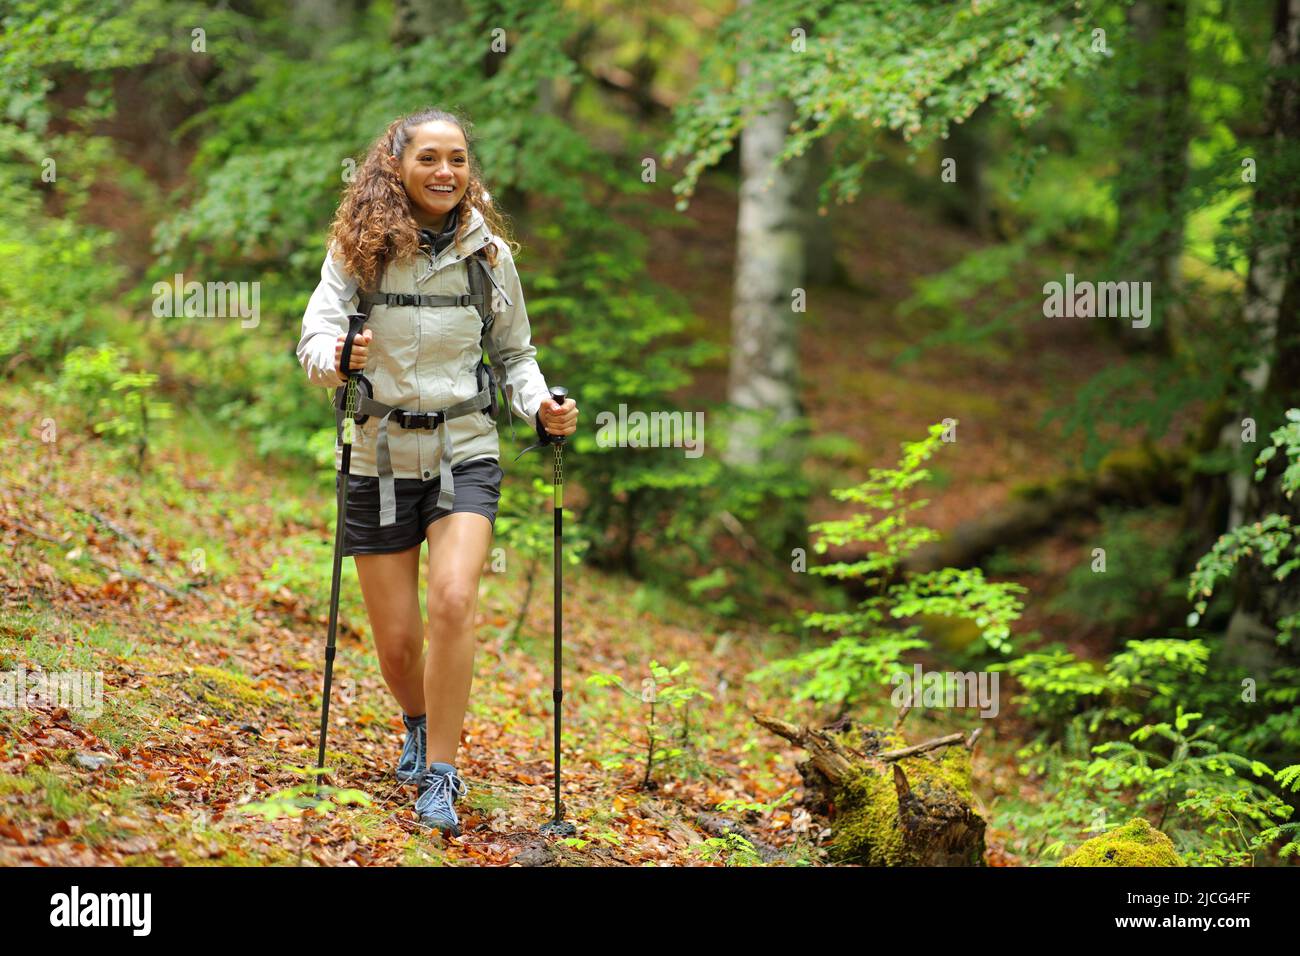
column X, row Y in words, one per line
column 210, row 702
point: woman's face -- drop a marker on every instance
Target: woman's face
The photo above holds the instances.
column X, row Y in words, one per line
column 435, row 171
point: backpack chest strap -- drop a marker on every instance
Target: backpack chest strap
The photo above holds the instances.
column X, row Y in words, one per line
column 370, row 299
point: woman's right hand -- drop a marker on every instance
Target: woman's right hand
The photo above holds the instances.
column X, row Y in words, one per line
column 359, row 349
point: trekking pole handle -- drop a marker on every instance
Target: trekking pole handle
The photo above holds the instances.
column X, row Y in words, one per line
column 355, row 322
column 558, row 395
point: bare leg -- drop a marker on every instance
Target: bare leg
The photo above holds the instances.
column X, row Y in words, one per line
column 458, row 547
column 390, row 587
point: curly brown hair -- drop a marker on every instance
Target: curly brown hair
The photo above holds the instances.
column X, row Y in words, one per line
column 374, row 223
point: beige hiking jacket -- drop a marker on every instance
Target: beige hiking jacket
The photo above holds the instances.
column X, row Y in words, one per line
column 425, row 358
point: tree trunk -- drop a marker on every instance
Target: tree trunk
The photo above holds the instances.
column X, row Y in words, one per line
column 1272, row 312
column 763, row 383
column 821, row 267
column 1152, row 177
column 967, row 198
column 763, row 380
column 413, row 20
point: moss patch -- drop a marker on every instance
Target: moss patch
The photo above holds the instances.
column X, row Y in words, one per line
column 225, row 689
column 1136, row 843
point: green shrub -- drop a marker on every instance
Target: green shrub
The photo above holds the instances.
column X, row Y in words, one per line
column 868, row 650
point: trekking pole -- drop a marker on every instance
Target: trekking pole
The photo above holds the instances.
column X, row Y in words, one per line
column 558, row 826
column 347, row 424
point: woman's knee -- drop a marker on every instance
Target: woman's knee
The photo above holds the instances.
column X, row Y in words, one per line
column 398, row 650
column 452, row 599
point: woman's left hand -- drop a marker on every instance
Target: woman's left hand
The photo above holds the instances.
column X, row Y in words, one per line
column 559, row 419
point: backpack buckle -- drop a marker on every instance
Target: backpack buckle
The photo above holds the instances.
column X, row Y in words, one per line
column 464, row 299
column 401, row 298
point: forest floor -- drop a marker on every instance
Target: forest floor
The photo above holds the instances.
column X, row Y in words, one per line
column 211, row 698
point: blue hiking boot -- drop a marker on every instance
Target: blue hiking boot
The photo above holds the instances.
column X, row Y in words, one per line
column 410, row 767
column 439, row 788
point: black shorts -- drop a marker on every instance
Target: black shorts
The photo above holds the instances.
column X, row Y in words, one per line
column 477, row 487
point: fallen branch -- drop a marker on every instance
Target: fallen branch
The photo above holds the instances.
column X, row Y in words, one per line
column 915, row 749
column 154, row 556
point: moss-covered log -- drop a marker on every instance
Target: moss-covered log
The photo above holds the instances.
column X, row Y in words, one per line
column 1133, row 476
column 886, row 809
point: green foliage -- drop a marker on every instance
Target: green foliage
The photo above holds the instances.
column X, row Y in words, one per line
column 1140, row 559
column 1271, row 540
column 664, row 687
column 716, row 579
column 913, row 68
column 293, row 801
column 732, row 849
column 121, row 401
column 1104, row 755
column 972, row 298
column 58, row 280
column 867, row 653
column 74, row 290
column 1289, row 779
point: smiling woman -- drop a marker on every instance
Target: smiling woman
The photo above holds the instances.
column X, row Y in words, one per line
column 418, row 248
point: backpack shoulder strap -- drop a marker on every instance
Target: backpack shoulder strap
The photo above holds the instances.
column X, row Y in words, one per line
column 368, row 300
column 479, row 274
column 478, row 288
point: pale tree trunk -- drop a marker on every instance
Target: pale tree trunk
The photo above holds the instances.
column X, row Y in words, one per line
column 1153, row 175
column 763, row 383
column 1272, row 313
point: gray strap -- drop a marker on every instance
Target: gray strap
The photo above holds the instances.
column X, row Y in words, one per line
column 476, row 404
column 368, row 406
column 446, row 487
column 507, row 387
column 493, row 280
column 384, row 465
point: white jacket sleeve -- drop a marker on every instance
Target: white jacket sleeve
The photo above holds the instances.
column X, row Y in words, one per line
column 511, row 336
column 324, row 321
